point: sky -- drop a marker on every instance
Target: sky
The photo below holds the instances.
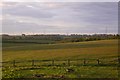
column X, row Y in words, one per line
column 59, row 17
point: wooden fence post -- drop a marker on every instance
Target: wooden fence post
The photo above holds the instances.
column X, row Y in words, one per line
column 32, row 62
column 68, row 62
column 52, row 62
column 13, row 63
column 98, row 61
column 84, row 61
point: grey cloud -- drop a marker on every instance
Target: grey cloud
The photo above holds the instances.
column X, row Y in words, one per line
column 11, row 26
column 23, row 10
column 98, row 13
column 81, row 17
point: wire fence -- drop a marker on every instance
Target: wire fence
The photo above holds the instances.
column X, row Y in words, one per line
column 69, row 62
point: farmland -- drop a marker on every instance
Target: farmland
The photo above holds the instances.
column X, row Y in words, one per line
column 92, row 49
column 105, row 50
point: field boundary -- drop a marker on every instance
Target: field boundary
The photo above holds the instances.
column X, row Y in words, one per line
column 68, row 62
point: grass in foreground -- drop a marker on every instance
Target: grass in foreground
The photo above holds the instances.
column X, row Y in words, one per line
column 61, row 72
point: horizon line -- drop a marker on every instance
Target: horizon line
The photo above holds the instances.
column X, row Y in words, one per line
column 54, row 33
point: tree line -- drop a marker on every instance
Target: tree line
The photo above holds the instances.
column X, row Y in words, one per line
column 59, row 38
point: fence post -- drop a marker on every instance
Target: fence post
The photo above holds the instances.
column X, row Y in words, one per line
column 98, row 61
column 13, row 63
column 32, row 62
column 52, row 62
column 68, row 62
column 84, row 61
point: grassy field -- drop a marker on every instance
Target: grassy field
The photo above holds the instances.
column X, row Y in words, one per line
column 107, row 50
column 92, row 49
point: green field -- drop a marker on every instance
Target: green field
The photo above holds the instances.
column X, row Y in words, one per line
column 105, row 50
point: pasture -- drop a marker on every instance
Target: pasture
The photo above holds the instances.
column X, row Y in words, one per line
column 106, row 50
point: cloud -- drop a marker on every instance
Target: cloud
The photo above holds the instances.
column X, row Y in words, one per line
column 80, row 17
column 61, row 0
column 27, row 10
column 19, row 27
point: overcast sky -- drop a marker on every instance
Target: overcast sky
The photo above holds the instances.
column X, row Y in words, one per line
column 59, row 17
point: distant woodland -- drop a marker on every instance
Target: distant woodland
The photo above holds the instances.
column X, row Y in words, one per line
column 55, row 38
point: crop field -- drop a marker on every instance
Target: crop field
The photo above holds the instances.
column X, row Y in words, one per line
column 105, row 50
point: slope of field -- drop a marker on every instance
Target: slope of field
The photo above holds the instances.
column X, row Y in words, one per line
column 106, row 50
column 91, row 49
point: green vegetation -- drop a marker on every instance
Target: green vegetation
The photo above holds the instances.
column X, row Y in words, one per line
column 61, row 72
column 105, row 50
column 29, row 41
column 56, row 38
column 92, row 49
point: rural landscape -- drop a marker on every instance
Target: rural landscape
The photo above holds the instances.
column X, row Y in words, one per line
column 60, row 56
column 60, row 40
